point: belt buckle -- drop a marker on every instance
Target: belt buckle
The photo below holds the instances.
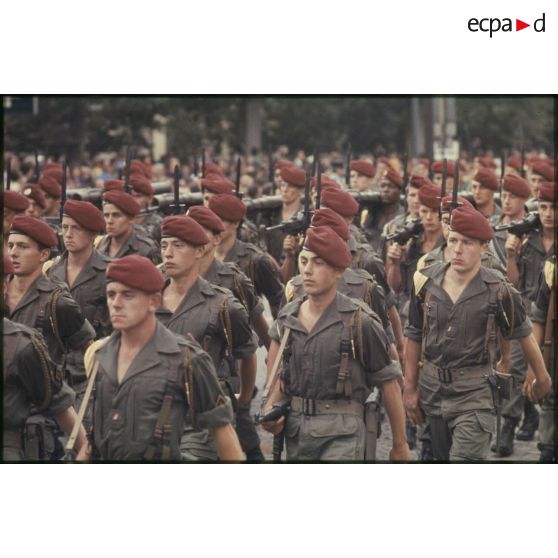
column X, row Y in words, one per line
column 309, row 407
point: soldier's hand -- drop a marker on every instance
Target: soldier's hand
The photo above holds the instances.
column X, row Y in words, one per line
column 400, row 453
column 395, row 252
column 412, row 408
column 289, row 245
column 513, row 243
column 274, row 426
column 540, row 388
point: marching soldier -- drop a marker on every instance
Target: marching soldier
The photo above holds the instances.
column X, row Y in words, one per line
column 191, row 305
column 541, row 171
column 334, row 352
column 526, row 258
column 122, row 239
column 37, row 200
column 362, row 175
column 148, row 380
column 83, row 269
column 31, row 379
column 253, row 262
column 52, row 192
column 37, row 302
column 143, row 192
column 455, row 310
column 484, row 186
column 438, row 173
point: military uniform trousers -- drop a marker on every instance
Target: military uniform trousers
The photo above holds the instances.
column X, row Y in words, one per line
column 459, row 408
column 547, row 419
column 325, row 430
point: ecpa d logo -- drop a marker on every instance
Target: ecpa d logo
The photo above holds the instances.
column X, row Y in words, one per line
column 494, row 24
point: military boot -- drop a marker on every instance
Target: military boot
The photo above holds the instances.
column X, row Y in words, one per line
column 530, row 423
column 547, row 455
column 506, row 438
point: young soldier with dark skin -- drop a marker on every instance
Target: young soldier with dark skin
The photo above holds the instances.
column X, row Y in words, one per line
column 149, row 378
column 442, row 380
column 326, row 418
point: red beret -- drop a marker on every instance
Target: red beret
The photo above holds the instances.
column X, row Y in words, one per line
column 445, row 204
column 206, row 218
column 471, row 223
column 54, row 171
column 8, row 265
column 517, row 186
column 185, row 228
column 488, row 162
column 429, row 195
column 394, row 177
column 15, row 201
column 547, row 192
column 329, row 246
column 282, row 163
column 543, row 169
column 141, row 184
column 326, row 182
column 85, row 214
column 113, row 184
column 218, row 185
column 416, row 181
column 137, row 167
column 514, row 162
column 35, row 193
column 486, row 178
column 386, row 162
column 293, row 176
column 438, row 167
column 340, row 201
column 125, row 202
column 137, row 272
column 328, row 218
column 213, row 168
column 363, row 167
column 51, row 165
column 228, row 207
column 50, row 186
column 34, row 228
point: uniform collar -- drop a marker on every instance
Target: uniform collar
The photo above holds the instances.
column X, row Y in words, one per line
column 41, row 284
column 95, row 264
column 197, row 295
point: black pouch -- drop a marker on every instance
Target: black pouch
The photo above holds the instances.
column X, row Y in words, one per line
column 502, row 385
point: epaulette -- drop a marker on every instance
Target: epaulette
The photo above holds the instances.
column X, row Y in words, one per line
column 98, row 239
column 419, row 279
column 89, row 356
column 421, row 264
column 550, row 273
column 48, row 264
column 289, row 291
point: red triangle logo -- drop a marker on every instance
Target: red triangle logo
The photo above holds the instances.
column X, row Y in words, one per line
column 519, row 25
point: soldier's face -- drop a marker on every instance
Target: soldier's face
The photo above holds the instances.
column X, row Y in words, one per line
column 230, row 229
column 76, row 238
column 535, row 181
column 26, row 254
column 464, row 253
column 437, row 180
column 34, row 209
column 117, row 223
column 289, row 194
column 445, row 224
column 389, row 192
column 50, row 204
column 547, row 214
column 361, row 182
column 318, row 277
column 412, row 201
column 179, row 258
column 481, row 195
column 429, row 219
column 512, row 205
column 129, row 308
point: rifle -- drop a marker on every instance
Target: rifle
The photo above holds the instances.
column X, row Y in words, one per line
column 405, row 180
column 278, row 410
column 301, row 221
column 502, row 170
column 319, row 188
column 37, row 169
column 522, row 150
column 237, row 190
column 454, row 203
column 63, row 198
column 348, row 168
column 127, row 170
column 166, row 203
column 529, row 223
column 176, row 192
column 402, row 235
column 203, row 163
column 443, row 191
column 8, row 173
column 271, row 174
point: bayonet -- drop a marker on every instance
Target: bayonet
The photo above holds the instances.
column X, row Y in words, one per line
column 454, row 202
column 8, row 173
column 37, row 169
column 176, row 192
column 63, row 198
column 348, row 168
column 443, row 190
column 237, row 191
column 127, row 170
column 319, row 187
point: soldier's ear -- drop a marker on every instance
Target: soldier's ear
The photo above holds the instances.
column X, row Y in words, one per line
column 155, row 301
column 484, row 247
column 45, row 254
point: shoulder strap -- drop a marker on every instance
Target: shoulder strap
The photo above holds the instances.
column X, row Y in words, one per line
column 495, row 298
column 98, row 239
column 51, row 308
column 239, row 290
column 45, row 369
column 344, row 386
column 419, row 279
column 425, row 306
column 290, row 291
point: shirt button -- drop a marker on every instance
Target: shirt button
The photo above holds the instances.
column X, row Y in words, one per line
column 449, row 328
column 115, row 416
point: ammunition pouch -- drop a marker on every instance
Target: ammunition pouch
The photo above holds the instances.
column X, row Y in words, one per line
column 502, row 387
column 39, row 439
